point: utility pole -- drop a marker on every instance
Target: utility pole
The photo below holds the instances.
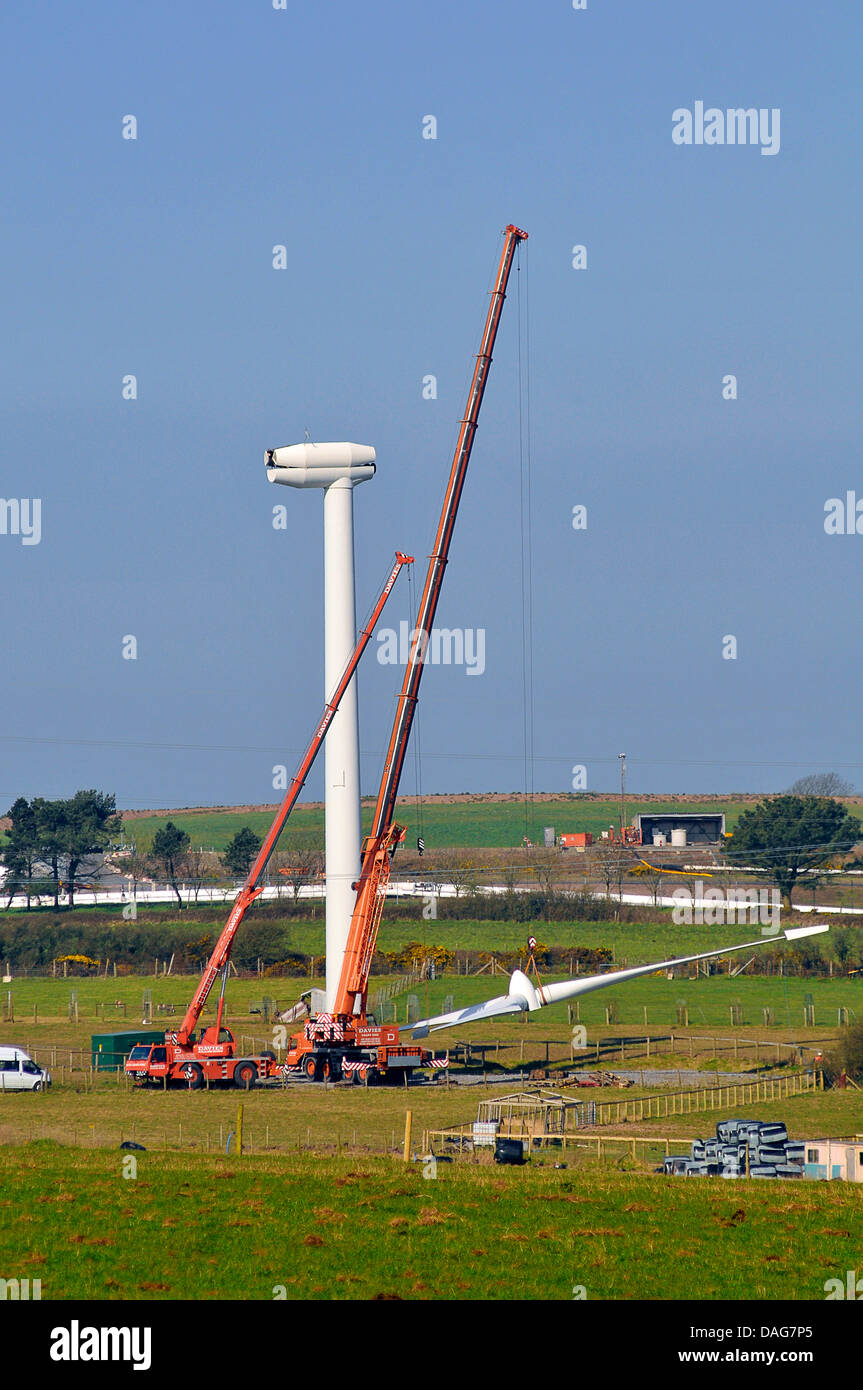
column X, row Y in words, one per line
column 622, row 757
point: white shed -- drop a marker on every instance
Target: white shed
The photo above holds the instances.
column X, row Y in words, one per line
column 834, row 1158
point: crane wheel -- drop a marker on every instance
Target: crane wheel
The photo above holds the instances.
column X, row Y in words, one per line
column 312, row 1067
column 193, row 1075
column 330, row 1069
column 245, row 1075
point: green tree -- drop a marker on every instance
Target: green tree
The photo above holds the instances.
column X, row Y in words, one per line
column 19, row 854
column 89, row 823
column 792, row 839
column 51, row 827
column 167, row 853
column 842, row 946
column 847, row 1056
column 241, row 851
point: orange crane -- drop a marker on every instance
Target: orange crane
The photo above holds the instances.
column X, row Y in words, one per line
column 347, row 1040
column 184, row 1057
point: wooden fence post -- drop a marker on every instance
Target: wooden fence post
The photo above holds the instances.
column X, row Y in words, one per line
column 407, row 1147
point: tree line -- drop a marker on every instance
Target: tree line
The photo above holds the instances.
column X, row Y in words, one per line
column 96, row 940
column 171, row 856
column 59, row 836
column 50, row 847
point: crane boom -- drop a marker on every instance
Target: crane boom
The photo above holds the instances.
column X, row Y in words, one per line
column 221, row 951
column 395, row 756
column 380, row 845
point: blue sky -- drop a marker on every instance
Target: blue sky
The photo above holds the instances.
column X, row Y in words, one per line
column 303, row 127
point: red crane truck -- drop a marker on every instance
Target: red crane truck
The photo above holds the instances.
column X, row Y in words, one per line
column 348, row 1041
column 190, row 1059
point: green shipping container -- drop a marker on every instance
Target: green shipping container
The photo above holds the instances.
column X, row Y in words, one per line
column 110, row 1050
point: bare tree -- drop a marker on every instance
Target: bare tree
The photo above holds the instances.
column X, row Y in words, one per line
column 651, row 875
column 546, row 866
column 135, row 864
column 461, row 873
column 510, row 875
column 303, row 867
column 198, row 866
column 610, row 859
column 821, row 784
column 280, row 860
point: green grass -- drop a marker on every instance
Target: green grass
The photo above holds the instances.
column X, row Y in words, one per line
column 323, row 1228
column 489, row 824
column 708, row 1001
column 323, row 1118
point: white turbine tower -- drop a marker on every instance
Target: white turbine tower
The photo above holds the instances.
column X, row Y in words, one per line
column 337, row 468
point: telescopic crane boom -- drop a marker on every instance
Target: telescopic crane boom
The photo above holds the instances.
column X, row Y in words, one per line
column 380, row 845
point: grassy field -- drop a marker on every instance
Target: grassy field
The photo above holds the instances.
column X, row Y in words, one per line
column 492, row 824
column 42, row 1025
column 305, row 1227
column 630, row 943
column 102, row 1111
column 708, row 1001
column 334, row 1119
column 320, row 1207
column 302, row 1117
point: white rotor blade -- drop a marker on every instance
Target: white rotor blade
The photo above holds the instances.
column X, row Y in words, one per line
column 525, row 995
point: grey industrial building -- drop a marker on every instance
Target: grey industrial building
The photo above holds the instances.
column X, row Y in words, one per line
column 704, row 828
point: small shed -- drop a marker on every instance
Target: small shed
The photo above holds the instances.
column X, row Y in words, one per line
column 110, row 1050
column 840, row 1159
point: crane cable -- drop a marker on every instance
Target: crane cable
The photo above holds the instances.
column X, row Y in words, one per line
column 413, row 609
column 526, row 527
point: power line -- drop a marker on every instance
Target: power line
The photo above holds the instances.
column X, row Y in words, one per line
column 656, row 760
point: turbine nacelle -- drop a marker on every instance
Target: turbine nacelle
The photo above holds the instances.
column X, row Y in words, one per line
column 320, row 465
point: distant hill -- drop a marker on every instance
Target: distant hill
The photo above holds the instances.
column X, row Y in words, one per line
column 484, row 819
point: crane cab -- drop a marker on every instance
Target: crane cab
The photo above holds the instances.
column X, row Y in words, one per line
column 148, row 1061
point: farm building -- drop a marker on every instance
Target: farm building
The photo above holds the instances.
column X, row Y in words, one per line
column 680, row 829
column 841, row 1159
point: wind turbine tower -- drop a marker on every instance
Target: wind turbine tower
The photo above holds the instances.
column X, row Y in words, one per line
column 337, row 469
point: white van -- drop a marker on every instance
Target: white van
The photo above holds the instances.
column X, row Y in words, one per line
column 18, row 1071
